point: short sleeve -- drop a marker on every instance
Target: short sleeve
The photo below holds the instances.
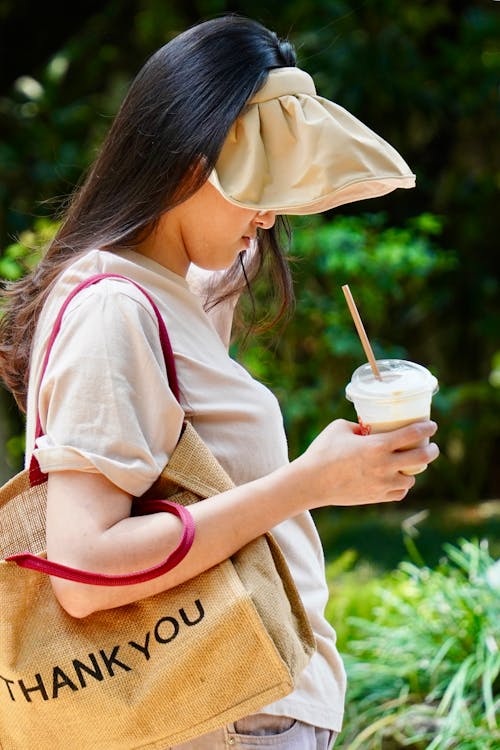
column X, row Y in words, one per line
column 105, row 402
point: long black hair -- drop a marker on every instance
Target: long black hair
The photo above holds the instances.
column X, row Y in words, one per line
column 161, row 147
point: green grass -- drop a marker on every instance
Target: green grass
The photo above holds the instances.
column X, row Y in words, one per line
column 421, row 647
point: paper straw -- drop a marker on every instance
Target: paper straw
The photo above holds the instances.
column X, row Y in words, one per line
column 361, row 331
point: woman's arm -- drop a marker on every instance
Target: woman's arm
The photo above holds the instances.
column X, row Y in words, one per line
column 89, row 524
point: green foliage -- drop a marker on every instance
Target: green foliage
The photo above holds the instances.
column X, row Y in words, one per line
column 15, row 448
column 422, row 75
column 20, row 257
column 470, row 414
column 423, row 659
column 55, row 116
column 392, row 272
column 425, row 76
column 378, row 537
column 16, row 260
column 353, row 592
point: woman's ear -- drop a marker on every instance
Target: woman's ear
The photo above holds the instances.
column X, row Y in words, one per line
column 265, row 219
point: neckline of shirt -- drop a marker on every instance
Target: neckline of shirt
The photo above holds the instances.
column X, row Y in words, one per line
column 152, row 265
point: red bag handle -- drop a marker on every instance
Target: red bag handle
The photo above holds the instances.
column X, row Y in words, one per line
column 143, row 507
column 40, row 564
column 36, row 475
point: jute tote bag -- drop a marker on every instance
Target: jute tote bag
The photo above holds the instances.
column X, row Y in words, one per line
column 157, row 672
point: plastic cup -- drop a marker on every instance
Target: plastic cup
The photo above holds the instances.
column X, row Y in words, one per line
column 402, row 396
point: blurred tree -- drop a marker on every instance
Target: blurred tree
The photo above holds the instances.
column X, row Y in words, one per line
column 423, row 74
column 392, row 271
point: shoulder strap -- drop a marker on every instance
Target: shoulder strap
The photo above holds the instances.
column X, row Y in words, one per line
column 35, row 473
column 40, row 564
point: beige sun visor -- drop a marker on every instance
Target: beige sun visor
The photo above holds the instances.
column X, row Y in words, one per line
column 294, row 152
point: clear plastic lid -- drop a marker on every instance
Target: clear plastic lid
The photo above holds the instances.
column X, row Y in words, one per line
column 400, row 379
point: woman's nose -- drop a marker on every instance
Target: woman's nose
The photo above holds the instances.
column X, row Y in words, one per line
column 265, row 219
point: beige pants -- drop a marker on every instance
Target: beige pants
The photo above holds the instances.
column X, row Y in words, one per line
column 262, row 732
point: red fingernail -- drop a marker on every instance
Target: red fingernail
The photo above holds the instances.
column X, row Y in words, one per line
column 363, row 429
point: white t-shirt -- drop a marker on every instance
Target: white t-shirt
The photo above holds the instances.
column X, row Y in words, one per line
column 106, row 406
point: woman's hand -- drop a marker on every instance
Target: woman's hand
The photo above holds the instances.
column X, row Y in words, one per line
column 342, row 467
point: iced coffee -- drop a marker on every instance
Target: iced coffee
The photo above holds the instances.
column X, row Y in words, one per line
column 402, row 395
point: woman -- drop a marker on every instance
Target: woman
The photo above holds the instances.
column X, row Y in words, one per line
column 218, row 137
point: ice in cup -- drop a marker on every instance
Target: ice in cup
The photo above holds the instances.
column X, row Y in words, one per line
column 402, row 395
